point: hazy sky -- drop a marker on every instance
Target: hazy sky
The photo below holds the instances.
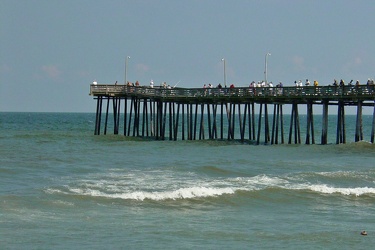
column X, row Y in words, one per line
column 52, row 50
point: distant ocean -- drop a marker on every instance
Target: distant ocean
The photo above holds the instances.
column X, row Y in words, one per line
column 61, row 187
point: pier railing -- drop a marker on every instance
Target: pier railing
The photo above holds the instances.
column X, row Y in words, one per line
column 362, row 92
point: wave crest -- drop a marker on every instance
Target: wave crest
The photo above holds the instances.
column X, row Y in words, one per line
column 171, row 186
column 358, row 191
column 182, row 193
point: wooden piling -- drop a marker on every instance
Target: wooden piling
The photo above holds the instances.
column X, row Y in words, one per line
column 98, row 115
column 294, row 123
column 277, row 123
column 373, row 126
column 214, row 122
column 253, row 120
column 324, row 139
column 266, row 125
column 310, row 124
column 106, row 117
column 259, row 122
column 358, row 131
column 340, row 130
column 125, row 113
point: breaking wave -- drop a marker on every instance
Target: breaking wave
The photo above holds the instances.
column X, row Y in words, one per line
column 164, row 185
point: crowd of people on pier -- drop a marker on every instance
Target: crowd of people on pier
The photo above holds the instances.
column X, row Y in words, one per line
column 271, row 89
column 137, row 84
column 299, row 83
column 259, row 84
column 370, row 82
column 260, row 88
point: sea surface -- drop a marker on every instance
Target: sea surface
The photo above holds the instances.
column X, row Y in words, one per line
column 62, row 187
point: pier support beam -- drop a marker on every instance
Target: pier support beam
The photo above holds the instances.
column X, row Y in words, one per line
column 266, row 125
column 358, row 127
column 116, row 114
column 310, row 124
column 177, row 118
column 125, row 113
column 209, row 122
column 252, row 126
column 242, row 122
column 276, row 124
column 259, row 122
column 294, row 122
column 324, row 123
column 183, row 122
column 233, row 120
column 106, row 117
column 214, row 123
column 341, row 133
column 229, row 117
column 171, row 117
column 98, row 115
column 201, row 127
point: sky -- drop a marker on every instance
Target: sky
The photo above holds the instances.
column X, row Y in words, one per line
column 52, row 50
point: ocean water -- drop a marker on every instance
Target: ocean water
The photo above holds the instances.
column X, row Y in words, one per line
column 61, row 187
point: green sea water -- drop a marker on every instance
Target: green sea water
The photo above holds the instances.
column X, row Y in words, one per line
column 61, row 187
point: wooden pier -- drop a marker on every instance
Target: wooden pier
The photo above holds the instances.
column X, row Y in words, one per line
column 228, row 113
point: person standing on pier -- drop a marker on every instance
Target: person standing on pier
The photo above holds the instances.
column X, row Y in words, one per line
column 315, row 87
column 370, row 82
column 280, row 88
column 370, row 85
column 342, row 83
column 297, row 87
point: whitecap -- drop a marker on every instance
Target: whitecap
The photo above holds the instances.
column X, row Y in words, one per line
column 358, row 191
column 182, row 193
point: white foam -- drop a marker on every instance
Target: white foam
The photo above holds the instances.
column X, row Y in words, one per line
column 293, row 183
column 182, row 193
column 65, row 203
column 265, row 180
column 54, row 191
column 167, row 186
column 358, row 191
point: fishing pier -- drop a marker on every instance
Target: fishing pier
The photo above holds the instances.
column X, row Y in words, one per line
column 228, row 113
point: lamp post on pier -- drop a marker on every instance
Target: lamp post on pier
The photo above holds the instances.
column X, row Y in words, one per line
column 265, row 66
column 225, row 75
column 126, row 68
